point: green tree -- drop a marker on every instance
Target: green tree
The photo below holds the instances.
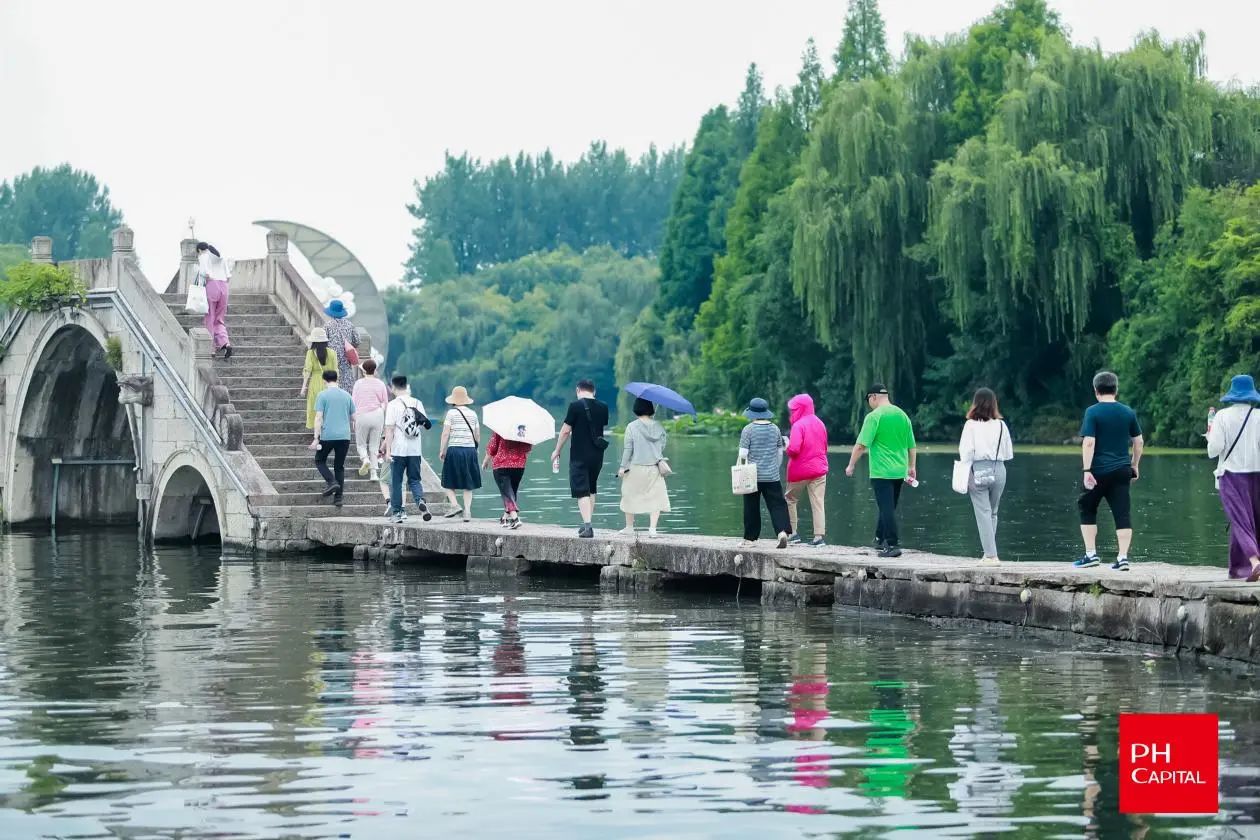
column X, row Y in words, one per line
column 67, row 204
column 1193, row 313
column 473, row 214
column 694, row 231
column 863, row 49
column 531, row 327
column 12, row 255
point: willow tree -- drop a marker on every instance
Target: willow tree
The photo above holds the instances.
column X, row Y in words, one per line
column 860, row 206
column 1033, row 224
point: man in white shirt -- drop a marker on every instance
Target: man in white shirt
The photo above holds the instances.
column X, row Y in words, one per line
column 404, row 420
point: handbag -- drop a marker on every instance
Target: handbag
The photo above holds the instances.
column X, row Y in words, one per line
column 600, row 443
column 196, row 303
column 663, row 467
column 962, row 472
column 744, row 479
column 983, row 473
column 351, row 354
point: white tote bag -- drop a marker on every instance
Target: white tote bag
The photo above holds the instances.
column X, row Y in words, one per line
column 744, row 479
column 197, row 303
column 962, row 474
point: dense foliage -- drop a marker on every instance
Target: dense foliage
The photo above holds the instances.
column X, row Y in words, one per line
column 1194, row 312
column 476, row 214
column 531, row 327
column 40, row 287
column 983, row 213
column 64, row 203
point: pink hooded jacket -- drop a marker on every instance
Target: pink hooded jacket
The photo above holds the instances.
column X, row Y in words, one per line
column 807, row 445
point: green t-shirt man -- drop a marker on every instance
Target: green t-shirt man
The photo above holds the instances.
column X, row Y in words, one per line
column 888, row 435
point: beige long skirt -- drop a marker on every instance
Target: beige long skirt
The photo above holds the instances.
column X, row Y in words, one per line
column 643, row 491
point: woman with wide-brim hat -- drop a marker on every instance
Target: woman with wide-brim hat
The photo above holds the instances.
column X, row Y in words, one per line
column 761, row 443
column 461, row 435
column 341, row 332
column 1233, row 438
column 319, row 358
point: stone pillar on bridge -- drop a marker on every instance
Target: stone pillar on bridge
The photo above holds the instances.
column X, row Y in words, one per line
column 124, row 240
column 277, row 250
column 187, row 264
column 41, row 249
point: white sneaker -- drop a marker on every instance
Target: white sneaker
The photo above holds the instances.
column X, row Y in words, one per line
column 628, row 532
column 652, row 534
column 989, row 561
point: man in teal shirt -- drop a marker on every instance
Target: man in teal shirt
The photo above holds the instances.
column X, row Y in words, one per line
column 888, row 435
column 334, row 413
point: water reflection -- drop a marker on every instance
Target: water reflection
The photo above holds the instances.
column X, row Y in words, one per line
column 179, row 694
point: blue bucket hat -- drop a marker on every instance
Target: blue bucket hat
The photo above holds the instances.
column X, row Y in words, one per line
column 336, row 308
column 758, row 409
column 1242, row 389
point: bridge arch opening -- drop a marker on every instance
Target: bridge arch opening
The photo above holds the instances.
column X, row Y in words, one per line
column 70, row 413
column 186, row 511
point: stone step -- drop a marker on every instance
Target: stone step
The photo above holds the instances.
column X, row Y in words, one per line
column 292, row 477
column 234, row 308
column 309, row 481
column 268, row 408
column 254, row 333
column 237, row 319
column 255, row 372
column 320, row 511
column 351, row 498
column 233, row 297
column 294, row 421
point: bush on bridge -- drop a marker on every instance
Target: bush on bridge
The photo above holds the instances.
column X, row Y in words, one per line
column 40, row 287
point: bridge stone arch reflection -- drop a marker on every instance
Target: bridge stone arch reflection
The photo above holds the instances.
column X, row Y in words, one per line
column 68, row 409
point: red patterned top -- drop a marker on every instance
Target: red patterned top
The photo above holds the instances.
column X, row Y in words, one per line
column 507, row 454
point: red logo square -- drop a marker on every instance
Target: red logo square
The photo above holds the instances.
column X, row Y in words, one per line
column 1168, row 764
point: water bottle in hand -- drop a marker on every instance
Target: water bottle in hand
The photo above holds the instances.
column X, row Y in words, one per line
column 1211, row 417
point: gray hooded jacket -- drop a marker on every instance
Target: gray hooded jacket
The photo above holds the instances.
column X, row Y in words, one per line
column 645, row 443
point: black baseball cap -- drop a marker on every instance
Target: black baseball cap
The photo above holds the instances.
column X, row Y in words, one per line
column 876, row 389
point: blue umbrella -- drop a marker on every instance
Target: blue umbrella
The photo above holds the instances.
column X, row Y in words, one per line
column 662, row 396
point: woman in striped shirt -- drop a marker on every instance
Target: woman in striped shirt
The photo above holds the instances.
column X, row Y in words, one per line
column 762, row 443
column 458, row 453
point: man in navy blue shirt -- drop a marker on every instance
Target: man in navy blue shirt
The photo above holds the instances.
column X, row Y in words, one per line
column 1108, row 431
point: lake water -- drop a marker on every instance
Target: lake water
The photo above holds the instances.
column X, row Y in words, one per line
column 1177, row 514
column 178, row 693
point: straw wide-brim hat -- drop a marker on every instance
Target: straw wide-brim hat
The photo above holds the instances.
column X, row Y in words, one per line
column 318, row 334
column 459, row 396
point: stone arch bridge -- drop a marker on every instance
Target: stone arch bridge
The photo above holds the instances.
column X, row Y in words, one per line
column 119, row 412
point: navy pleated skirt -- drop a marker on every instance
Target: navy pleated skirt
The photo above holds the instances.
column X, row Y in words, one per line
column 461, row 470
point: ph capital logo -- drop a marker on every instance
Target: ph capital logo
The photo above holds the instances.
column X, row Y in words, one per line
column 1169, row 764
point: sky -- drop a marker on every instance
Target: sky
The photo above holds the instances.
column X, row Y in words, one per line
column 326, row 113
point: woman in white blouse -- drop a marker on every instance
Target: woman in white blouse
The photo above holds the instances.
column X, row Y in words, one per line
column 986, row 447
column 461, row 435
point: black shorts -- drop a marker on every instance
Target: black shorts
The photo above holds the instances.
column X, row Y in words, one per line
column 584, row 478
column 1114, row 487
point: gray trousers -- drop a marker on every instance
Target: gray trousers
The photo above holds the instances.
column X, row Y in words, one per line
column 985, row 501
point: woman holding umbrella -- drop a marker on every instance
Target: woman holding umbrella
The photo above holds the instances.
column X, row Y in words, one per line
column 507, row 458
column 643, row 468
column 517, row 424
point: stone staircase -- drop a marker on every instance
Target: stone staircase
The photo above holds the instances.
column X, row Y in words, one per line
column 264, row 380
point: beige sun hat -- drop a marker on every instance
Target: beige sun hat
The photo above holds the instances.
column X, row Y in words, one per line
column 459, row 396
column 318, row 334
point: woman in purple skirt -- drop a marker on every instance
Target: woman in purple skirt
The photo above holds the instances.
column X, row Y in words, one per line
column 1233, row 438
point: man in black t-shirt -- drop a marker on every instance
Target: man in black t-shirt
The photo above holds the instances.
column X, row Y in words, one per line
column 584, row 423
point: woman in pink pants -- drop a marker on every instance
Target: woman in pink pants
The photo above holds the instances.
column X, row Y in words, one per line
column 215, row 271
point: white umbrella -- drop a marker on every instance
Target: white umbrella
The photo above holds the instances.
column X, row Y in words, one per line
column 519, row 419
